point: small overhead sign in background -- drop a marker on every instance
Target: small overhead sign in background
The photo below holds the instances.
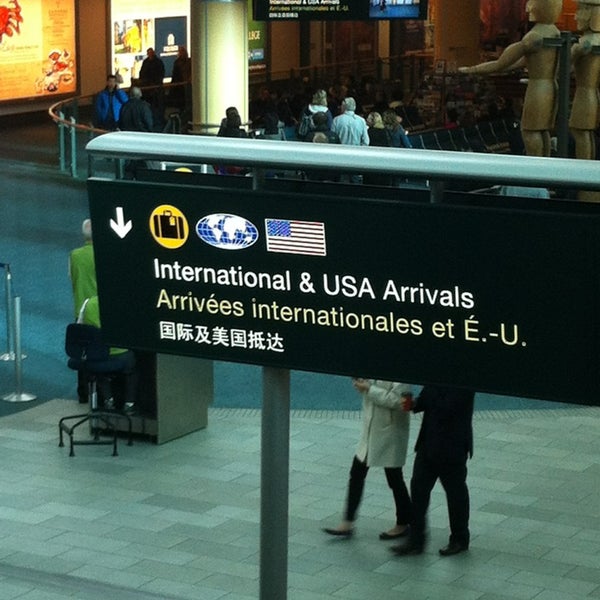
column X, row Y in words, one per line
column 495, row 299
column 348, row 10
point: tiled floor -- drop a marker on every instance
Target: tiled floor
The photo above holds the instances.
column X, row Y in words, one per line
column 182, row 520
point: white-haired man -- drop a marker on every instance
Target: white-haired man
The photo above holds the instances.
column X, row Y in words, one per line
column 350, row 127
column 352, row 130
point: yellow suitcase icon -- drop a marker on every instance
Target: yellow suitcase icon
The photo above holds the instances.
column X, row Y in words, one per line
column 167, row 225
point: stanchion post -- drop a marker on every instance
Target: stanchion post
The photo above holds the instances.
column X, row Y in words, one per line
column 18, row 395
column 119, row 168
column 564, row 89
column 73, row 137
column 9, row 354
column 90, row 158
column 563, row 43
column 61, row 143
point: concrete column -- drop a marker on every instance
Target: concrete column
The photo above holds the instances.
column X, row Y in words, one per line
column 383, row 47
column 219, row 30
column 457, row 31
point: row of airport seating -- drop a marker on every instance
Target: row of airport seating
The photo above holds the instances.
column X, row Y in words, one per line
column 495, row 137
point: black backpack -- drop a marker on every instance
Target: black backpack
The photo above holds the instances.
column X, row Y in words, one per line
column 306, row 125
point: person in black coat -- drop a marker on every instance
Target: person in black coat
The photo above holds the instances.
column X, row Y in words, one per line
column 322, row 125
column 444, row 444
column 136, row 115
column 180, row 95
column 231, row 125
column 378, row 136
column 152, row 74
column 152, row 71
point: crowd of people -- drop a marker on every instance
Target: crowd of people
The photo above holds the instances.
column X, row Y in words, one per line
column 320, row 121
column 324, row 118
column 348, row 112
column 466, row 100
column 290, row 110
column 299, row 114
column 285, row 110
column 374, row 113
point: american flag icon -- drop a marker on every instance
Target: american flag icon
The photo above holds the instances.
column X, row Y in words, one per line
column 296, row 237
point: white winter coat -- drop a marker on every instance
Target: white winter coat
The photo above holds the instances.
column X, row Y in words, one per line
column 385, row 430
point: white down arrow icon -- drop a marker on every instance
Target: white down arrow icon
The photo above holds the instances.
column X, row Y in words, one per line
column 119, row 226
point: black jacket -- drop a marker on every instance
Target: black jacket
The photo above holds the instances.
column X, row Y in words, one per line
column 152, row 71
column 136, row 115
column 446, row 433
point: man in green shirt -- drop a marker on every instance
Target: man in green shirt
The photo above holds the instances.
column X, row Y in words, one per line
column 82, row 272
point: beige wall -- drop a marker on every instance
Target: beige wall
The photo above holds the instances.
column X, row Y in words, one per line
column 284, row 44
column 93, row 45
column 456, row 30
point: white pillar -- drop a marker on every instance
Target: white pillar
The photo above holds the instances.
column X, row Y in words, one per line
column 219, row 61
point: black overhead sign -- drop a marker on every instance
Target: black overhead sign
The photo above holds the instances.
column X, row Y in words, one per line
column 494, row 299
column 324, row 10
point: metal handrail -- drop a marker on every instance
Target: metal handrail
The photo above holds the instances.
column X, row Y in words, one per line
column 57, row 115
column 71, row 125
column 55, row 111
column 434, row 165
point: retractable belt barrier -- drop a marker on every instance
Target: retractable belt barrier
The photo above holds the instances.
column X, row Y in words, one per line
column 13, row 339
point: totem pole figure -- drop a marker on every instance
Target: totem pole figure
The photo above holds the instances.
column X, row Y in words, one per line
column 585, row 58
column 540, row 103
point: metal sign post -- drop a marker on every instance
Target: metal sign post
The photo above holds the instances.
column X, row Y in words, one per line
column 274, row 484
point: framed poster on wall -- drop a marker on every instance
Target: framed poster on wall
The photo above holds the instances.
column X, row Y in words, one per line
column 37, row 49
column 152, row 24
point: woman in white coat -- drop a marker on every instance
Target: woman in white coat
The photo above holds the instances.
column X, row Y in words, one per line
column 383, row 443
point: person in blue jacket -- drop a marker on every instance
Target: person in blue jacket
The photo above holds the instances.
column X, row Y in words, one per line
column 107, row 108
